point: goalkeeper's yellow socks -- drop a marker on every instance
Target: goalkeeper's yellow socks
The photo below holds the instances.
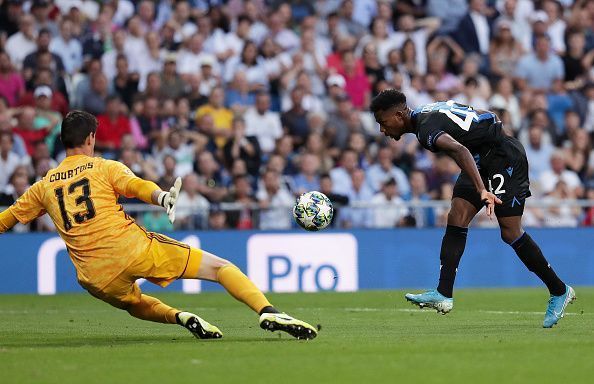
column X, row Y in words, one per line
column 152, row 309
column 242, row 288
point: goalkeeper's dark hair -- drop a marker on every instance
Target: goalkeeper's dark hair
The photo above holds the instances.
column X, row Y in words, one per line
column 76, row 127
column 387, row 99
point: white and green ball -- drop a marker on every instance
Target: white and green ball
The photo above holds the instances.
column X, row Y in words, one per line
column 313, row 211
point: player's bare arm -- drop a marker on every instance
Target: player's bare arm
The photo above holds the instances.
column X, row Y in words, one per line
column 462, row 156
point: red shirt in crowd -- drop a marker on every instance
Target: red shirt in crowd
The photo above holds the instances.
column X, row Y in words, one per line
column 357, row 87
column 59, row 103
column 109, row 133
column 32, row 136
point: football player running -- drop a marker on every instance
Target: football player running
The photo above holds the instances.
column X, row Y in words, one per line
column 476, row 141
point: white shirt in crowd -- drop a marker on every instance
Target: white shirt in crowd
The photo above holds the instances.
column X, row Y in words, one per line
column 267, row 128
column 549, row 179
column 278, row 215
column 18, row 47
column 391, row 212
column 7, row 167
column 187, row 205
column 482, row 31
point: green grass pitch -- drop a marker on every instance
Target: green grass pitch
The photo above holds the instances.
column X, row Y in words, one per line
column 492, row 336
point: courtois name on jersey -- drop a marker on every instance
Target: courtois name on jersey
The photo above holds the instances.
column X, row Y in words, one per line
column 476, row 130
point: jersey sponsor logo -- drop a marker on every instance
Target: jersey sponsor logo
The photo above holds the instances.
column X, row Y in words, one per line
column 69, row 173
column 303, row 262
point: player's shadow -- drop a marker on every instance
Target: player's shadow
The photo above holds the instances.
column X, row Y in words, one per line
column 132, row 340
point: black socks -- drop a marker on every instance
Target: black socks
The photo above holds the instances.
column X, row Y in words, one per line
column 452, row 248
column 531, row 255
column 269, row 309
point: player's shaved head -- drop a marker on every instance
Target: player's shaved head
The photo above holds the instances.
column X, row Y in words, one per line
column 76, row 127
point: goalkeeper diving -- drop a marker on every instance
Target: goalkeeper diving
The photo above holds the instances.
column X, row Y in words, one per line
column 110, row 251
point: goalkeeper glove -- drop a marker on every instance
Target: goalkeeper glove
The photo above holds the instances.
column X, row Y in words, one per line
column 168, row 199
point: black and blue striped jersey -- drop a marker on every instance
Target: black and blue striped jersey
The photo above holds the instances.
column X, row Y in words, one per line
column 475, row 129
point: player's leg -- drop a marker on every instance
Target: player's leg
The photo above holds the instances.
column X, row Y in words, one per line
column 454, row 243
column 465, row 205
column 510, row 178
column 124, row 293
column 531, row 255
column 206, row 266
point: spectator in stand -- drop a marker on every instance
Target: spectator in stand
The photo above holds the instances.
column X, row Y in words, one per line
column 341, row 174
column 125, row 83
column 217, row 219
column 149, row 120
column 337, row 130
column 250, row 64
column 505, row 52
column 384, row 169
column 421, row 216
column 46, row 117
column 18, row 144
column 274, row 202
column 26, row 128
column 391, row 210
column 244, row 147
column 31, row 61
column 238, row 96
column 358, row 217
column 93, row 101
column 119, row 48
column 113, row 125
column 294, row 121
column 191, row 208
column 538, row 70
column 172, row 85
column 577, row 153
column 168, row 175
column 19, row 183
column 242, row 195
column 538, row 152
column 12, row 84
column 558, row 172
column 577, row 60
column 356, row 83
column 22, row 43
column 560, row 212
column 505, row 99
column 308, row 178
column 67, row 47
column 222, row 117
column 10, row 12
column 8, row 159
column 212, row 177
column 263, row 123
column 192, row 56
column 338, row 200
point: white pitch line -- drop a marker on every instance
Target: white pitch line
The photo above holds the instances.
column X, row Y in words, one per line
column 429, row 310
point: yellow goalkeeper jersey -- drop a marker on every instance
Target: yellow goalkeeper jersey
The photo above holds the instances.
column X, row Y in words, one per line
column 80, row 195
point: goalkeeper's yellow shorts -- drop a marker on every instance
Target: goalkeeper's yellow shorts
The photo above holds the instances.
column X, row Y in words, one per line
column 166, row 260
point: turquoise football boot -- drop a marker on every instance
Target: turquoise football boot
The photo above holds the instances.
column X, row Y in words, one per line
column 557, row 305
column 431, row 299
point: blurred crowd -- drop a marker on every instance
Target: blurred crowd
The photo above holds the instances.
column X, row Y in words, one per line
column 255, row 102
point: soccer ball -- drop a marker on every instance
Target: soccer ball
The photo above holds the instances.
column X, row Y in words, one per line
column 313, row 211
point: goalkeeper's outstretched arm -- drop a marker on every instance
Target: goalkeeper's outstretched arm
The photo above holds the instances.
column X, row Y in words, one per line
column 7, row 220
column 149, row 192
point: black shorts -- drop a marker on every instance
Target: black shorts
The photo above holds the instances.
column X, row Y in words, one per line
column 504, row 170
